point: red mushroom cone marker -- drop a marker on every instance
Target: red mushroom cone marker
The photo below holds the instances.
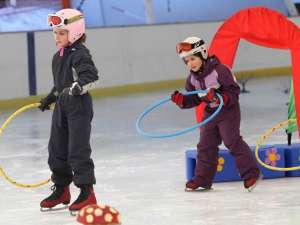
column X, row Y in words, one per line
column 97, row 214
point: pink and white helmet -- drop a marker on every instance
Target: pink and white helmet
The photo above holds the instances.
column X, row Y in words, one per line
column 68, row 19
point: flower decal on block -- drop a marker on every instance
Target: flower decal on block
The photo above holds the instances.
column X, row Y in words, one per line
column 272, row 157
column 221, row 162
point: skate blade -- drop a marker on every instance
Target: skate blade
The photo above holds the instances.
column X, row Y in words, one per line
column 54, row 209
column 74, row 212
column 250, row 189
column 198, row 190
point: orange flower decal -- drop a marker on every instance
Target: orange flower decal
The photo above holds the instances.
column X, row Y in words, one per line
column 272, row 157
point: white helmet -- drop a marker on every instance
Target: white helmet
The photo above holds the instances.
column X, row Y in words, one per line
column 191, row 46
column 70, row 20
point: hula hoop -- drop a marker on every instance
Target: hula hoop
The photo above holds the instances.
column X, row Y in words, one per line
column 264, row 137
column 177, row 133
column 3, row 127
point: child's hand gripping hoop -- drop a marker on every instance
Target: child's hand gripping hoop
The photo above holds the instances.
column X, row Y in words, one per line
column 174, row 134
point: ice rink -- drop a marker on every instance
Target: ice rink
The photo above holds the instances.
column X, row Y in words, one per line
column 144, row 178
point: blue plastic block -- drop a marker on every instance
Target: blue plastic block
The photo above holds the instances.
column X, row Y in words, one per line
column 190, row 163
column 274, row 156
column 226, row 170
column 292, row 159
column 226, row 166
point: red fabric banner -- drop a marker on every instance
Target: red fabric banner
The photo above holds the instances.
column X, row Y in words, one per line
column 260, row 26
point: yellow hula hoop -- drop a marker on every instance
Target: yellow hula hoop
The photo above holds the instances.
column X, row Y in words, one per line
column 3, row 127
column 264, row 137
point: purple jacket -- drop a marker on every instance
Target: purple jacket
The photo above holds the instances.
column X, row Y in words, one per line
column 214, row 75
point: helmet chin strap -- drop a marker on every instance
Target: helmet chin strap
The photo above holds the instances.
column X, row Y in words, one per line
column 61, row 51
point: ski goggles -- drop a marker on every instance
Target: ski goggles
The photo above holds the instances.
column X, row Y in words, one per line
column 185, row 47
column 56, row 21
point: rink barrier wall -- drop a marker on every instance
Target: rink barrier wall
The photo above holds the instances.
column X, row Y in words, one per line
column 279, row 155
column 123, row 55
column 122, row 90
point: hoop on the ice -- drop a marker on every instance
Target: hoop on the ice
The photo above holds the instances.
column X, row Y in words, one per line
column 264, row 137
column 3, row 127
column 174, row 134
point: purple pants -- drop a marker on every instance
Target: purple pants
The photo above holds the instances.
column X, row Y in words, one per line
column 225, row 126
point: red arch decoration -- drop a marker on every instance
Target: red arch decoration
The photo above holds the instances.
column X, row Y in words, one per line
column 260, row 26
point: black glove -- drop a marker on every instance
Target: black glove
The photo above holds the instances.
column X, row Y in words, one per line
column 46, row 102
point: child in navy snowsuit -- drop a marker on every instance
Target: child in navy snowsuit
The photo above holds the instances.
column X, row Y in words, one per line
column 69, row 148
column 207, row 73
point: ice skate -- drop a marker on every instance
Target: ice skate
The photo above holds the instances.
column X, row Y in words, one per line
column 86, row 197
column 60, row 195
column 191, row 186
column 251, row 183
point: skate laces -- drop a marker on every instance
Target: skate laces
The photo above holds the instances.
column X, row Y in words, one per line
column 57, row 191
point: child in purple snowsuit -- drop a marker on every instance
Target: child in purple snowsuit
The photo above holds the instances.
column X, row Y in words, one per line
column 207, row 73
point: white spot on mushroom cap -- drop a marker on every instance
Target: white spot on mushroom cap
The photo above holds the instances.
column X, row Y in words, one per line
column 89, row 218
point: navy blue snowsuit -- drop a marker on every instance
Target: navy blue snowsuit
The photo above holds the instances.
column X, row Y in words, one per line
column 69, row 144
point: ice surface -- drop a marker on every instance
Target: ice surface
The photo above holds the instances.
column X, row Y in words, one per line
column 144, row 178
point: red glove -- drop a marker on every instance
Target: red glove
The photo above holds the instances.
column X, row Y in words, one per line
column 177, row 98
column 211, row 97
column 225, row 99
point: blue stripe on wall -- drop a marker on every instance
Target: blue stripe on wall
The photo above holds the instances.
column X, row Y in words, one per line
column 31, row 63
